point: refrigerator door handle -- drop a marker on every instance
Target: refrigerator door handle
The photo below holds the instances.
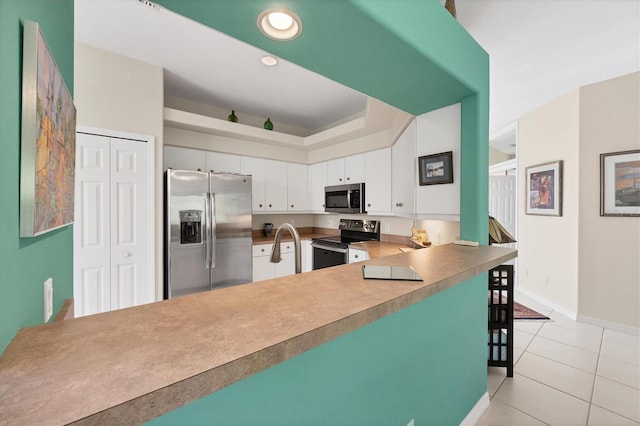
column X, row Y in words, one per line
column 207, row 230
column 212, row 220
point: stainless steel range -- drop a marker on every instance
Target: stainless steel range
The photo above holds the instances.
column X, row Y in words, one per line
column 332, row 251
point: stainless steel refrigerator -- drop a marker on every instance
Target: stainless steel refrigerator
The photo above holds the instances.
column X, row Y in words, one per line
column 207, row 231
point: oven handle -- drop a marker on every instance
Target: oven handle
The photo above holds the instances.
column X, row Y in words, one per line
column 328, row 248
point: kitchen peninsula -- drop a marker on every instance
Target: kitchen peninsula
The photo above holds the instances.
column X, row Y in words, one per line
column 132, row 365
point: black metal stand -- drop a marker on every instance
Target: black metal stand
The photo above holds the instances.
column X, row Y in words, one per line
column 500, row 331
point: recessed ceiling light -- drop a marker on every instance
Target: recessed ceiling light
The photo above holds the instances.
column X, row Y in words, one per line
column 269, row 60
column 279, row 24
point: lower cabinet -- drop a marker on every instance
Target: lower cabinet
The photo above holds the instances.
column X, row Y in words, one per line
column 263, row 269
column 356, row 255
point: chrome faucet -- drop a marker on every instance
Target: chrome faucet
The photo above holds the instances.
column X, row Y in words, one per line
column 275, row 251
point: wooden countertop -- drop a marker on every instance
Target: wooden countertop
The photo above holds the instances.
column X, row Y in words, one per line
column 131, row 365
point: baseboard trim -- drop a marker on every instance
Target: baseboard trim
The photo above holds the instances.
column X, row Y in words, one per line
column 557, row 308
column 477, row 411
column 610, row 325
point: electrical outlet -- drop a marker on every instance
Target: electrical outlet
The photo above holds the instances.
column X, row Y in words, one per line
column 387, row 228
column 292, row 221
column 48, row 299
column 438, row 238
column 330, row 223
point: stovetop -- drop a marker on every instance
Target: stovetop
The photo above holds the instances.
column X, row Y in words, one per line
column 353, row 231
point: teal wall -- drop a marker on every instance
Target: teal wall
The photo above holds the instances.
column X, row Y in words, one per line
column 426, row 362
column 25, row 263
column 420, row 363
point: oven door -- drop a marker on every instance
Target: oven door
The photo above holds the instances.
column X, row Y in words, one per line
column 325, row 256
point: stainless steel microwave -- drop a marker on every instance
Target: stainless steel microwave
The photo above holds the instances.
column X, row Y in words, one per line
column 344, row 198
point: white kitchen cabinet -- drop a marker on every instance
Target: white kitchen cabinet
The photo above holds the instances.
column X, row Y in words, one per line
column 378, row 181
column 179, row 158
column 297, row 187
column 317, row 182
column 354, row 168
column 287, row 266
column 256, row 168
column 357, row 255
column 221, row 162
column 307, row 255
column 276, row 185
column 403, row 169
column 263, row 269
column 335, row 171
column 346, row 170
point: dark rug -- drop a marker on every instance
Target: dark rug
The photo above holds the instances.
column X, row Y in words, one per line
column 521, row 312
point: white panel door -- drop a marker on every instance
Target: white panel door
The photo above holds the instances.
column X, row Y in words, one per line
column 91, row 235
column 111, row 236
column 502, row 203
column 129, row 214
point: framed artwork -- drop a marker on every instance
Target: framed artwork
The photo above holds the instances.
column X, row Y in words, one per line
column 436, row 168
column 620, row 183
column 48, row 140
column 544, row 189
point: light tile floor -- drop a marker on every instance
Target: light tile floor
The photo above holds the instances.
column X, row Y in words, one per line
column 566, row 373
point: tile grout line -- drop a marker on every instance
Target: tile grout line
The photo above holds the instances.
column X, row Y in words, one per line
column 595, row 376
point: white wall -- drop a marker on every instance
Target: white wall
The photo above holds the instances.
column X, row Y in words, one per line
column 548, row 245
column 582, row 263
column 118, row 93
column 439, row 131
column 609, row 273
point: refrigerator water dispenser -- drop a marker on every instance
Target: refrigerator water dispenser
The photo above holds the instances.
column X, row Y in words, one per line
column 190, row 226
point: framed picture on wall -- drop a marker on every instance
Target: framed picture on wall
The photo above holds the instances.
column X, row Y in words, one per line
column 47, row 142
column 620, row 183
column 436, row 168
column 544, row 189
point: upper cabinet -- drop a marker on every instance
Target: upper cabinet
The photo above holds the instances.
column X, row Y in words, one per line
column 346, row 170
column 378, row 181
column 256, row 168
column 276, row 186
column 317, row 182
column 222, row 163
column 297, row 187
column 403, row 169
column 179, row 158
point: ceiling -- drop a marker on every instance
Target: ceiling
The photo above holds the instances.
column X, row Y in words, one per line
column 538, row 51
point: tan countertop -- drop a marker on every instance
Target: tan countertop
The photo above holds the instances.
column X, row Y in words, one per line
column 131, row 365
column 380, row 248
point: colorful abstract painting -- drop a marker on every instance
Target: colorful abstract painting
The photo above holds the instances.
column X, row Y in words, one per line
column 48, row 140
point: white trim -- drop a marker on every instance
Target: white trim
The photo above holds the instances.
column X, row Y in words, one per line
column 151, row 198
column 556, row 308
column 477, row 411
column 504, row 166
column 635, row 331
